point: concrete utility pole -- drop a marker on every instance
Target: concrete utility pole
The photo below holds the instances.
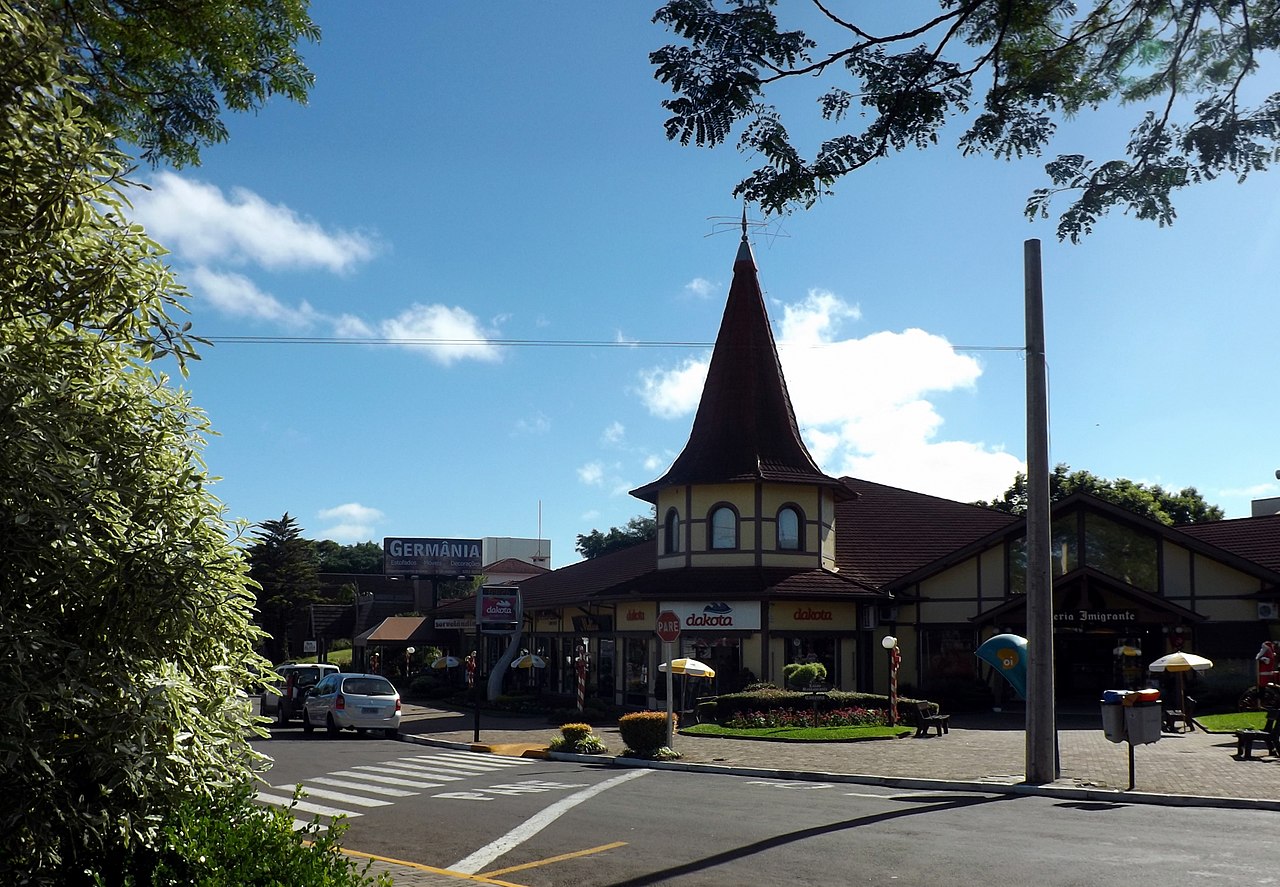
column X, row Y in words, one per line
column 1042, row 731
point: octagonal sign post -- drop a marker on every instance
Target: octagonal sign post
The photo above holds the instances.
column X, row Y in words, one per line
column 668, row 628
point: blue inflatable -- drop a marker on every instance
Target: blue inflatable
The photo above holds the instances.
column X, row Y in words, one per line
column 1007, row 654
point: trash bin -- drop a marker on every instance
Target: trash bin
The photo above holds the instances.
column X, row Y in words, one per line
column 1144, row 717
column 1113, row 721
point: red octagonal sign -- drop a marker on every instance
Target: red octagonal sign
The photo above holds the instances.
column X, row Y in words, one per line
column 668, row 627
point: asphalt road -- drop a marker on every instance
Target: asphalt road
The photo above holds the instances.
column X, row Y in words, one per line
column 549, row 823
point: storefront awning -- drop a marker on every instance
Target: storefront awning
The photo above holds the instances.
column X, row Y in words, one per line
column 396, row 630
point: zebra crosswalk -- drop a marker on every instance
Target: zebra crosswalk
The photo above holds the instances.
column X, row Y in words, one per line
column 351, row 791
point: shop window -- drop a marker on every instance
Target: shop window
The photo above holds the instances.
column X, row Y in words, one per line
column 636, row 671
column 789, row 526
column 1122, row 552
column 822, row 650
column 724, row 527
column 947, row 657
column 671, row 532
column 1064, row 552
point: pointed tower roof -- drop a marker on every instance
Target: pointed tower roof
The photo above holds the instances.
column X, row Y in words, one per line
column 745, row 428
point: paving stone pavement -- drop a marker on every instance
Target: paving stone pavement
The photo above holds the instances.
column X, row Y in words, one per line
column 988, row 748
column 1181, row 768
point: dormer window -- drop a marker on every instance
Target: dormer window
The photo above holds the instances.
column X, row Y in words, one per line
column 671, row 532
column 724, row 528
column 789, row 529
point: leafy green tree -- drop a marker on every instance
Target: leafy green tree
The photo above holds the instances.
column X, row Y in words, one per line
column 1010, row 70
column 125, row 611
column 1186, row 506
column 283, row 563
column 160, row 73
column 362, row 557
column 638, row 529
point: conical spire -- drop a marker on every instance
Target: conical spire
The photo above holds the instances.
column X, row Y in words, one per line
column 745, row 428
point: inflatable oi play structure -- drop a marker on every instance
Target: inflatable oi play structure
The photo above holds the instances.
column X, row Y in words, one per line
column 1007, row 654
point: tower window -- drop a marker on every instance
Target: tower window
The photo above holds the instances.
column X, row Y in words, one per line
column 724, row 527
column 671, row 532
column 789, row 529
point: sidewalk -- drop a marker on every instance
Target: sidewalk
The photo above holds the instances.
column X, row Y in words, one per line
column 983, row 752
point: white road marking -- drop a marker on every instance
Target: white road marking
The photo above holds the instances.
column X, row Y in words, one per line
column 361, row 786
column 480, row 760
column 536, row 823
column 387, row 780
column 339, row 796
column 406, row 770
column 303, row 806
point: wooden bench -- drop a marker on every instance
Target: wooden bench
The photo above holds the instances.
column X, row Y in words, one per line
column 925, row 719
column 1269, row 736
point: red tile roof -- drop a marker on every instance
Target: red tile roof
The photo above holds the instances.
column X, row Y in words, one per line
column 889, row 532
column 514, row 565
column 1255, row 539
column 745, row 428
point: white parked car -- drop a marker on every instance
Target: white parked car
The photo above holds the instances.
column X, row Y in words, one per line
column 295, row 681
column 345, row 701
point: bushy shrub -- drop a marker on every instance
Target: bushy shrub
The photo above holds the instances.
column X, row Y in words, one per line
column 227, row 840
column 578, row 739
column 801, row 674
column 644, row 732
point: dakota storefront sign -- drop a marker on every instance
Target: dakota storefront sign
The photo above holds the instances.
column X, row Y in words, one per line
column 717, row 615
column 636, row 617
column 813, row 616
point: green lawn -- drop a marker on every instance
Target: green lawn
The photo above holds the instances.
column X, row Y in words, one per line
column 798, row 734
column 340, row 658
column 1232, row 721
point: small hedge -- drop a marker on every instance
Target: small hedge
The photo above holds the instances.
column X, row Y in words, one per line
column 578, row 739
column 799, row 675
column 733, row 705
column 645, row 732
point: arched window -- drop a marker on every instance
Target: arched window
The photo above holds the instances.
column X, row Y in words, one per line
column 724, row 527
column 671, row 532
column 789, row 529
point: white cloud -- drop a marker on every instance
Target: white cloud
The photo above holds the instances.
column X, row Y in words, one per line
column 591, row 474
column 354, row 522
column 459, row 333
column 614, row 434
column 701, row 288
column 237, row 296
column 202, row 224
column 864, row 404
column 675, row 392
column 538, row 424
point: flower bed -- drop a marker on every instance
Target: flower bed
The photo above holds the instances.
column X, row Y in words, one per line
column 849, row 716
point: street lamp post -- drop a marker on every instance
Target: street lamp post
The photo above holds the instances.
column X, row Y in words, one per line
column 890, row 643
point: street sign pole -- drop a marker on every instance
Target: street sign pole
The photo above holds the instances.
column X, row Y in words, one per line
column 668, row 629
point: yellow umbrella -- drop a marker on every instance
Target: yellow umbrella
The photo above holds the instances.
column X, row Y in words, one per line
column 529, row 660
column 1180, row 663
column 691, row 667
column 446, row 662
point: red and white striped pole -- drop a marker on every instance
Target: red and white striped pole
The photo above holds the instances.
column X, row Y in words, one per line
column 890, row 643
column 582, row 677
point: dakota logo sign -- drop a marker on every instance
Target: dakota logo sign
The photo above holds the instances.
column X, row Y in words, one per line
column 431, row 557
column 499, row 610
column 717, row 615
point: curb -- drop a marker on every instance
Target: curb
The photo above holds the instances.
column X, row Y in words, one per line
column 1065, row 793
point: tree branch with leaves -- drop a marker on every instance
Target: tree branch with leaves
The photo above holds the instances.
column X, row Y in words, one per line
column 1186, row 63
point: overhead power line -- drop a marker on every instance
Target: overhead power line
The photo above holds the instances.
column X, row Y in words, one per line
column 518, row 343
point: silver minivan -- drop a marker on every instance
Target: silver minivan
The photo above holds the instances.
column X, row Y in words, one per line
column 345, row 701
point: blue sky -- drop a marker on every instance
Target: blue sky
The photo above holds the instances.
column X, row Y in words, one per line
column 467, row 175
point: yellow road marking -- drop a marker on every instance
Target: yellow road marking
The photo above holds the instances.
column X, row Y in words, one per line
column 560, row 858
column 481, row 879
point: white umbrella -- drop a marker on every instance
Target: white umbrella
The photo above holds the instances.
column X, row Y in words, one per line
column 1180, row 663
column 529, row 660
column 691, row 667
column 446, row 662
